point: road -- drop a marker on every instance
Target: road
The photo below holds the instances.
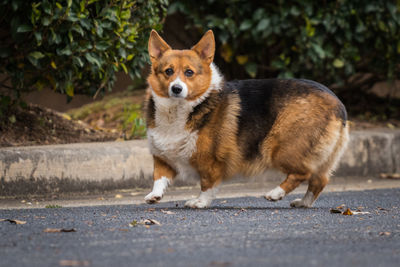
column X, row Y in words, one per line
column 246, row 231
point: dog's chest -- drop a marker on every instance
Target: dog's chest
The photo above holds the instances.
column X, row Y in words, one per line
column 170, row 140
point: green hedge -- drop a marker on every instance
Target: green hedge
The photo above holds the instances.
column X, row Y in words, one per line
column 328, row 41
column 74, row 46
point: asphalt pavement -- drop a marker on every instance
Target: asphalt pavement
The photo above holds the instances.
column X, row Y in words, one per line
column 241, row 231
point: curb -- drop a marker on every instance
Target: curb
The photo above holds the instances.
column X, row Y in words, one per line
column 93, row 167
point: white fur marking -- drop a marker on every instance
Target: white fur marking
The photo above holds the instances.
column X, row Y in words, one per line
column 275, row 194
column 158, row 191
column 204, row 200
column 182, row 94
column 169, row 139
column 305, row 202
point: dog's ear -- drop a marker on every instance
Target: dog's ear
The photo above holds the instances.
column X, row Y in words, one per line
column 205, row 48
column 157, row 46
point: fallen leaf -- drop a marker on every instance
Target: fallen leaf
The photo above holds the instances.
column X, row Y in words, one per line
column 390, row 175
column 237, row 213
column 335, row 211
column 73, row 263
column 133, row 223
column 151, row 209
column 149, row 222
column 118, row 196
column 223, row 202
column 59, row 230
column 348, row 212
column 168, row 212
column 13, row 221
column 384, row 233
column 360, row 212
column 340, row 206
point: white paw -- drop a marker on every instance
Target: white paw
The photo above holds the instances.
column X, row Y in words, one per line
column 299, row 203
column 275, row 194
column 153, row 197
column 198, row 203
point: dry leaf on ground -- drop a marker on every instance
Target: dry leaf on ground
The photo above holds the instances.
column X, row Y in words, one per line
column 347, row 212
column 168, row 212
column 13, row 221
column 384, row 233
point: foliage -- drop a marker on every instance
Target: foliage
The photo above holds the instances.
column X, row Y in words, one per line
column 328, row 41
column 134, row 126
column 74, row 46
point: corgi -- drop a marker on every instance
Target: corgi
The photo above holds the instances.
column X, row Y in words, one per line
column 202, row 126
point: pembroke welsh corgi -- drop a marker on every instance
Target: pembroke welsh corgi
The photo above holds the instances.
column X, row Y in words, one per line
column 199, row 125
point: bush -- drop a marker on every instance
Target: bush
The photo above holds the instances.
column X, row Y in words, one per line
column 74, row 46
column 328, row 41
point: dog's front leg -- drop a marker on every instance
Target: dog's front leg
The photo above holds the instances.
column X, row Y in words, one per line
column 209, row 189
column 162, row 176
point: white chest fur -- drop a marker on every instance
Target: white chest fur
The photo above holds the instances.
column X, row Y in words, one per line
column 169, row 139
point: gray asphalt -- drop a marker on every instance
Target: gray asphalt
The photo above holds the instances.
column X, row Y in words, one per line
column 233, row 232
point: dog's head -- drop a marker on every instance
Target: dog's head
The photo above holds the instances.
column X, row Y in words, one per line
column 182, row 74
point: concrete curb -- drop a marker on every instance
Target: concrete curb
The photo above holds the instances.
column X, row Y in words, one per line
column 115, row 165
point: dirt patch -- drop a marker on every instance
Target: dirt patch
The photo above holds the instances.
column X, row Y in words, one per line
column 35, row 125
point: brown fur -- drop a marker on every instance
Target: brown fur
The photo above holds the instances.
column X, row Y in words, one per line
column 161, row 168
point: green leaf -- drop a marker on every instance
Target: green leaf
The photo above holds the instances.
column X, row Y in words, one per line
column 102, row 46
column 24, row 28
column 46, row 21
column 69, row 89
column 65, row 51
column 263, row 25
column 77, row 61
column 92, row 59
column 38, row 37
column 318, row 49
column 36, row 55
column 245, row 25
column 124, row 67
column 338, row 63
column 251, row 69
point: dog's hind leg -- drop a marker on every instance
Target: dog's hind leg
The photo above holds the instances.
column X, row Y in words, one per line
column 291, row 182
column 315, row 186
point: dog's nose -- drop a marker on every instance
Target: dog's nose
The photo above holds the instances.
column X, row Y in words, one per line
column 176, row 89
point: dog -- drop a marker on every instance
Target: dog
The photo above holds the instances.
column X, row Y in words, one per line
column 201, row 126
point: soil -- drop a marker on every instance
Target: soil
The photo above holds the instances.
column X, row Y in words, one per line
column 35, row 125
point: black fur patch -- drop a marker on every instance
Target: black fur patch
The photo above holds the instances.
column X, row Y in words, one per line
column 261, row 101
column 201, row 113
column 150, row 112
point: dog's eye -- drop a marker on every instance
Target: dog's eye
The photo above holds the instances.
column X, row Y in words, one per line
column 169, row 71
column 189, row 73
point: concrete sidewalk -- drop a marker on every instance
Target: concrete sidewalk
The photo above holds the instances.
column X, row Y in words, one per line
column 117, row 165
